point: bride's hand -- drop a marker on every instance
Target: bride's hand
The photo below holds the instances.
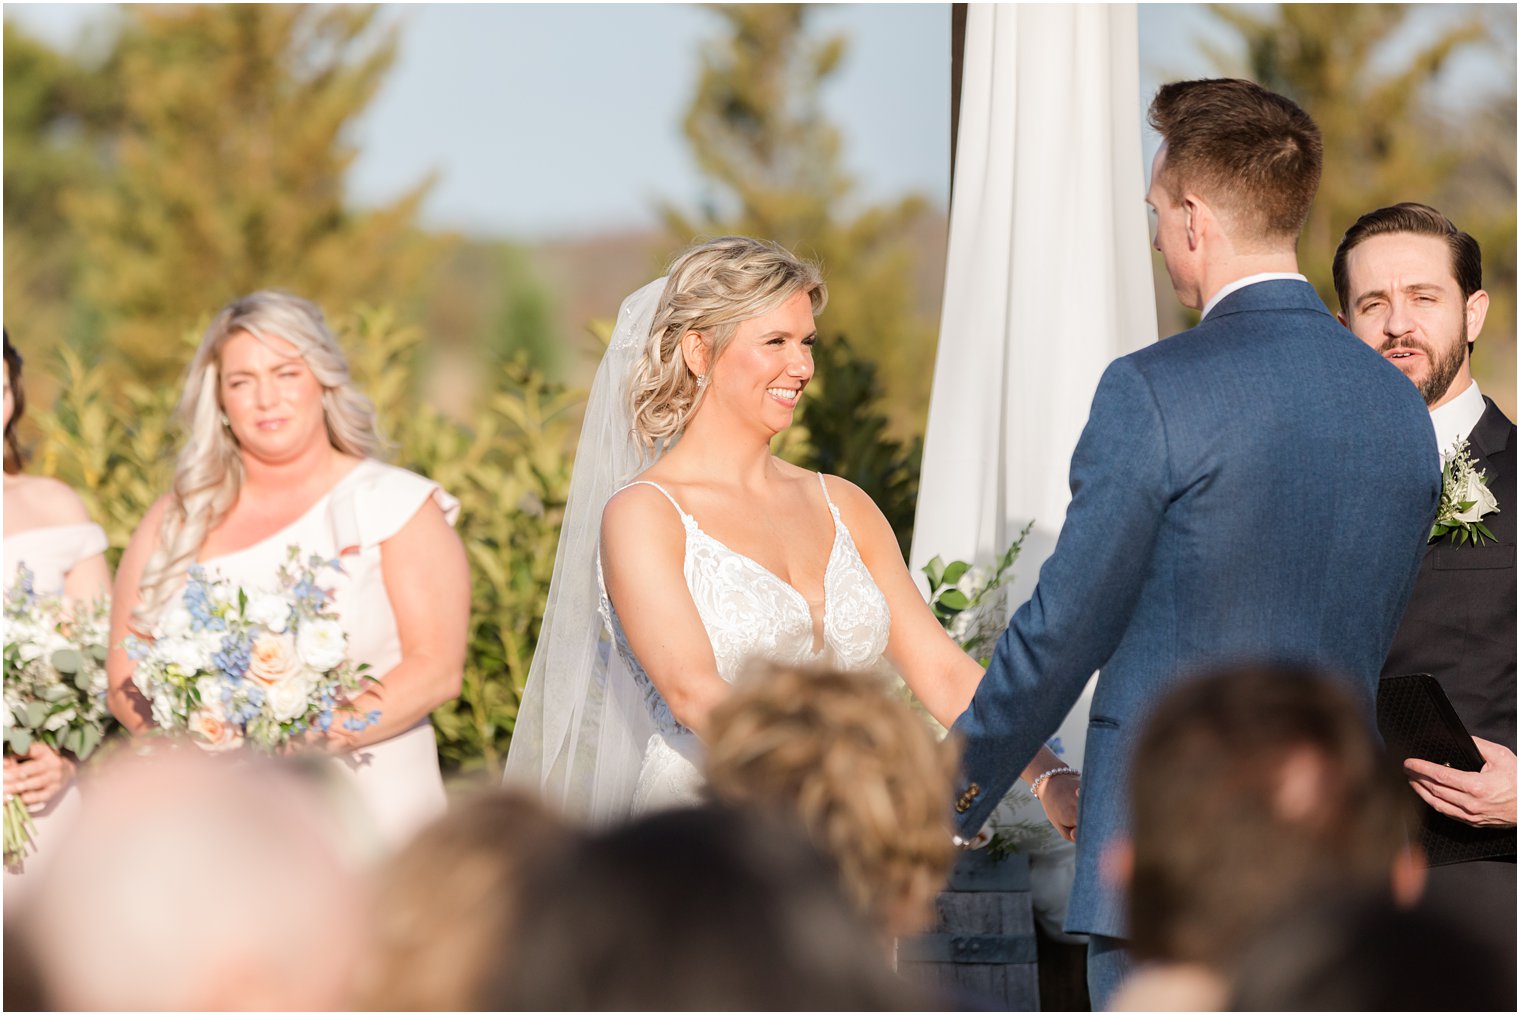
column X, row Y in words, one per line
column 1059, row 798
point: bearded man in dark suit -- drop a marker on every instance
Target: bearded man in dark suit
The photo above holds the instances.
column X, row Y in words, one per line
column 1411, row 286
column 1259, row 487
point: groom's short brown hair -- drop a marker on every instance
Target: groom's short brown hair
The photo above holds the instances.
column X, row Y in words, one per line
column 1251, row 152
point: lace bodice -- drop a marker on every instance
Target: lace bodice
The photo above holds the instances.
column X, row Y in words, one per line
column 749, row 611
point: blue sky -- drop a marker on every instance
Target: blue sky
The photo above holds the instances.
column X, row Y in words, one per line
column 552, row 119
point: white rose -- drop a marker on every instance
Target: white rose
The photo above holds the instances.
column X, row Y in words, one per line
column 322, row 644
column 270, row 612
column 58, row 720
column 188, row 654
column 272, row 660
column 972, row 582
column 1475, row 490
column 175, row 622
column 222, row 593
column 163, row 709
column 288, row 700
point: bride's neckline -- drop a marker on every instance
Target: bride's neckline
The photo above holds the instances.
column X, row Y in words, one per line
column 818, row 620
column 294, row 522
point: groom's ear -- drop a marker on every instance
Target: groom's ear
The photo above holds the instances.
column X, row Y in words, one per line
column 1194, row 211
column 695, row 351
column 1477, row 312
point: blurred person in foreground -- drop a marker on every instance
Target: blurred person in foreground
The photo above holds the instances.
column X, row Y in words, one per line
column 1259, row 486
column 47, row 530
column 1411, row 286
column 198, row 882
column 694, row 909
column 1255, row 790
column 1369, row 955
column 857, row 768
column 280, row 451
column 444, row 905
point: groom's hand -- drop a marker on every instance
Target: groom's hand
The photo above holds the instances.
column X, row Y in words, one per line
column 1059, row 798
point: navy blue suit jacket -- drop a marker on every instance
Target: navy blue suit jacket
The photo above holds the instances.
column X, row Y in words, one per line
column 1260, row 487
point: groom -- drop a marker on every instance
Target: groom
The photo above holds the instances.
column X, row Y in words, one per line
column 1259, row 487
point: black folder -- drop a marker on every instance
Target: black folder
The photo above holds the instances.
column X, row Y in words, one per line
column 1417, row 721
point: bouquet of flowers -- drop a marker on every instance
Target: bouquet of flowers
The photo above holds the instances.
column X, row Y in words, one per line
column 257, row 667
column 55, row 685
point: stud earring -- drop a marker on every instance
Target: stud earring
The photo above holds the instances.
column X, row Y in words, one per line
column 701, row 381
column 226, row 422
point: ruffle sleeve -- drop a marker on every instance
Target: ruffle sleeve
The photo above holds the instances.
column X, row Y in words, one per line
column 375, row 506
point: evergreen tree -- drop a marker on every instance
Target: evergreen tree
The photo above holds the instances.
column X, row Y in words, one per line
column 227, row 173
column 758, row 132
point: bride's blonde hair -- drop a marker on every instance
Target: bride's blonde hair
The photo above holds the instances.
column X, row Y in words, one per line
column 711, row 289
column 209, row 472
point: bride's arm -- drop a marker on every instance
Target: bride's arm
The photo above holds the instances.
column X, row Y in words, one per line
column 933, row 666
column 643, row 553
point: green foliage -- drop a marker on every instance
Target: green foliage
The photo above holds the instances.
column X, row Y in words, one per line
column 758, row 133
column 846, row 436
column 509, row 467
column 216, row 169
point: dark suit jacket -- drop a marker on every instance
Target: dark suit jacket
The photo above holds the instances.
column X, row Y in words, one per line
column 1460, row 623
column 1259, row 487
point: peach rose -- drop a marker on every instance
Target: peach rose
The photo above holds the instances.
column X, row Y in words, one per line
column 272, row 659
column 213, row 732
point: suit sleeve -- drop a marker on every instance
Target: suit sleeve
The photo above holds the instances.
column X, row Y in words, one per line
column 1086, row 593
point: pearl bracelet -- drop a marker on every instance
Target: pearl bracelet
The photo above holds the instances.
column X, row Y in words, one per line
column 1034, row 787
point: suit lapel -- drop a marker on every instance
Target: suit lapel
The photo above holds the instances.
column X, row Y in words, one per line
column 1491, row 435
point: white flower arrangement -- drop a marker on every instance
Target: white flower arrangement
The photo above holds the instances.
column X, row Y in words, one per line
column 238, row 667
column 55, row 686
column 1465, row 498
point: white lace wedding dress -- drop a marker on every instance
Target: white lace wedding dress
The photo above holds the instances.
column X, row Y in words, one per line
column 750, row 612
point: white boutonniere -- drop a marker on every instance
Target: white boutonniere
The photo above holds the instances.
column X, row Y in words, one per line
column 1465, row 498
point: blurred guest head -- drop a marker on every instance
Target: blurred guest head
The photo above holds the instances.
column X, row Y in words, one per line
column 699, row 909
column 1411, row 286
column 443, row 905
column 197, row 883
column 862, row 773
column 1368, row 955
column 711, row 290
column 15, row 405
column 1254, row 789
column 1235, row 174
column 268, row 380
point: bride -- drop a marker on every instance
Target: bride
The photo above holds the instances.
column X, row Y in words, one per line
column 716, row 551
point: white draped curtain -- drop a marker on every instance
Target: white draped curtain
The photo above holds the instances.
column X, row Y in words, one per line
column 1048, row 276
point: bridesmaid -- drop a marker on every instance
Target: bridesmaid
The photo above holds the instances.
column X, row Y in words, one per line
column 280, row 452
column 48, row 530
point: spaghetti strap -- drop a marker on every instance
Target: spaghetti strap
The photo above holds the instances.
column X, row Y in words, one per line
column 826, row 499
column 657, row 486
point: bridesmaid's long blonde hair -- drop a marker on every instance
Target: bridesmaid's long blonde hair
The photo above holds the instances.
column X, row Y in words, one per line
column 209, row 472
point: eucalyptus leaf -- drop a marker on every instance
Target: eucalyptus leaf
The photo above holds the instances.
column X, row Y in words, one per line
column 54, row 693
column 935, row 569
column 89, row 739
column 33, row 713
column 18, row 740
column 68, row 660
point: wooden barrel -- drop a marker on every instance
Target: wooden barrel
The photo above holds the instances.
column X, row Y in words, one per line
column 982, row 946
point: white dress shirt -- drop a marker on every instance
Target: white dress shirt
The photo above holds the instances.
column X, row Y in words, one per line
column 1241, row 283
column 1456, row 419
